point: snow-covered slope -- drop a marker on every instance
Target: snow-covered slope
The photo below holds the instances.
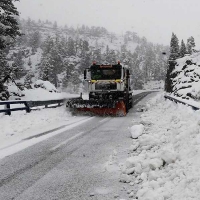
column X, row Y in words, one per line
column 186, row 84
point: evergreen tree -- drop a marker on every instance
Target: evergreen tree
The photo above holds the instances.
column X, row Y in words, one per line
column 46, row 70
column 174, row 54
column 28, row 80
column 9, row 28
column 170, row 76
column 174, row 47
column 190, row 44
column 183, row 50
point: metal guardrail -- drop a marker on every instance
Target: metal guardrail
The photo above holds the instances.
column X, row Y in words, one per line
column 28, row 105
column 179, row 101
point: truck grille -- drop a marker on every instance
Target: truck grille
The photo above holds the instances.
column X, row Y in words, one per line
column 105, row 86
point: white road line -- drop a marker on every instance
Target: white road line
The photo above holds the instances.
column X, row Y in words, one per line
column 66, row 141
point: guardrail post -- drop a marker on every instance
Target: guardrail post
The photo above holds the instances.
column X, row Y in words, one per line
column 28, row 110
column 8, row 112
column 46, row 106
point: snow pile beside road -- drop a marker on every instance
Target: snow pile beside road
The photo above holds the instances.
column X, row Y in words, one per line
column 164, row 160
column 136, row 130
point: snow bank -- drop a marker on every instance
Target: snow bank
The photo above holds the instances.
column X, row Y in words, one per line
column 164, row 161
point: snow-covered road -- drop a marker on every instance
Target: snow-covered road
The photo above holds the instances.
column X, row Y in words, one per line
column 82, row 161
column 151, row 154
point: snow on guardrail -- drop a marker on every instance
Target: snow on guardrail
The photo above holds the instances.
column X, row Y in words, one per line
column 195, row 105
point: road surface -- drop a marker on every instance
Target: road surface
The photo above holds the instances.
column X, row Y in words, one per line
column 79, row 164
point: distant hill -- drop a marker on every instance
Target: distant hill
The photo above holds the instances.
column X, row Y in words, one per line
column 58, row 54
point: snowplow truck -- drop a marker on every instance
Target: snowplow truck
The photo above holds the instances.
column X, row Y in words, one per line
column 109, row 91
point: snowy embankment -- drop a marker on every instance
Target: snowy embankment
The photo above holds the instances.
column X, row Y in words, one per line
column 187, row 77
column 21, row 125
column 164, row 156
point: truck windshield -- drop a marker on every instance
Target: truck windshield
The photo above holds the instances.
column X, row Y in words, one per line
column 105, row 74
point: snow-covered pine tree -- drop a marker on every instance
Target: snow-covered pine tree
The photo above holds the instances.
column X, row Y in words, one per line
column 28, row 80
column 183, row 50
column 9, row 28
column 190, row 44
column 46, row 70
column 174, row 54
column 174, row 47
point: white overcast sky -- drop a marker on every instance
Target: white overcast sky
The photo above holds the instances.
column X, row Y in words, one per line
column 154, row 19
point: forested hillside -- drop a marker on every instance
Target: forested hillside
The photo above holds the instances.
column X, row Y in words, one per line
column 46, row 51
